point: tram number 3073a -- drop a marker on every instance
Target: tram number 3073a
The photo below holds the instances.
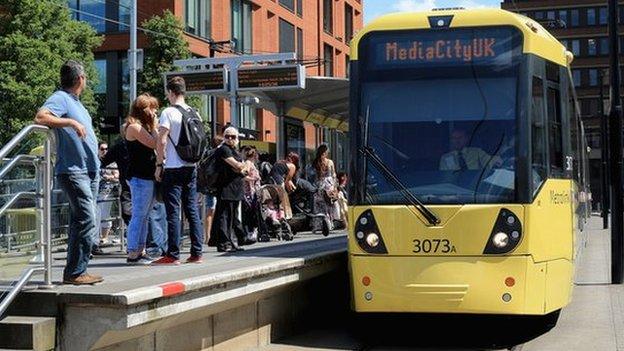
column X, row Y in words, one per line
column 433, row 246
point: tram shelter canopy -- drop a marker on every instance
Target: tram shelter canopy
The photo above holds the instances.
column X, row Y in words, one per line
column 324, row 101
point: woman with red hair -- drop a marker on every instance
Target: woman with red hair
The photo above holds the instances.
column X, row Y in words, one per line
column 140, row 134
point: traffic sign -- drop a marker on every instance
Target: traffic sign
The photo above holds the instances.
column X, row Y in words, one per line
column 276, row 77
column 202, row 81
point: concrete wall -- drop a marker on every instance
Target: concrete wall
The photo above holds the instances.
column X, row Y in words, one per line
column 249, row 325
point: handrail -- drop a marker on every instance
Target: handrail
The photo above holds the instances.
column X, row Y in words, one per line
column 26, row 131
column 14, row 199
column 16, row 161
column 44, row 174
column 4, row 304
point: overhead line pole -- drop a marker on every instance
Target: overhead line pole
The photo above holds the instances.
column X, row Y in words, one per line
column 615, row 136
column 132, row 57
column 604, row 166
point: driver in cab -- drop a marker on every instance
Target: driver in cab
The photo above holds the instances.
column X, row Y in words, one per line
column 461, row 157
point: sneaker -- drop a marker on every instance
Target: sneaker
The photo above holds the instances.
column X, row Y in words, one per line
column 139, row 261
column 166, row 260
column 194, row 259
column 83, row 279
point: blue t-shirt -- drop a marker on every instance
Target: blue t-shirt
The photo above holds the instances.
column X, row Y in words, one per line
column 73, row 155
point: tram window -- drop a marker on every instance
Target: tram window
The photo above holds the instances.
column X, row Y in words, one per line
column 555, row 140
column 538, row 135
column 552, row 72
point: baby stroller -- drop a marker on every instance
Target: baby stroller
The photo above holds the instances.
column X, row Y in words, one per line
column 274, row 210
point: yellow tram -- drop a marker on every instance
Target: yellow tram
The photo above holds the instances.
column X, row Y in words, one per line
column 470, row 181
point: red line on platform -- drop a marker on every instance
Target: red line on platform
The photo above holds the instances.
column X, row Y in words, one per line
column 171, row 289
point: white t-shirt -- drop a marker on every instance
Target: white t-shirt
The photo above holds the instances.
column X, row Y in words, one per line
column 171, row 118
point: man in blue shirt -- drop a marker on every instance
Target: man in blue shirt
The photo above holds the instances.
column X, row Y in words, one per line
column 77, row 168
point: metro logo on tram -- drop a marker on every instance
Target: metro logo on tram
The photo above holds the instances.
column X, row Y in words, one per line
column 442, row 49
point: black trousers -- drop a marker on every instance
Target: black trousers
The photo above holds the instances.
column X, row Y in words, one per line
column 226, row 227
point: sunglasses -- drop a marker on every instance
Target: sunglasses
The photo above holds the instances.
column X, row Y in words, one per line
column 230, row 136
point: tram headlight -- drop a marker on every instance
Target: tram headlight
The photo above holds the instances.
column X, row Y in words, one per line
column 372, row 239
column 500, row 240
column 506, row 234
column 367, row 234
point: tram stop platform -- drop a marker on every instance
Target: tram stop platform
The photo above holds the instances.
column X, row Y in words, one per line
column 594, row 320
column 231, row 301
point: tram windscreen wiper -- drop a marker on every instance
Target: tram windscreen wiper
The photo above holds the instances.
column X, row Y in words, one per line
column 371, row 155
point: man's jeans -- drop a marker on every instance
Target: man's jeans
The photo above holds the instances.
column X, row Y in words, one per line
column 142, row 202
column 180, row 190
column 81, row 190
column 157, row 230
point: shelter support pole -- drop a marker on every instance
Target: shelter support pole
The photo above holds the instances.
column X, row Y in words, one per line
column 280, row 135
column 615, row 131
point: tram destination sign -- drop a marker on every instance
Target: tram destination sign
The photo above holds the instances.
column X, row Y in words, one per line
column 271, row 77
column 202, row 82
column 479, row 46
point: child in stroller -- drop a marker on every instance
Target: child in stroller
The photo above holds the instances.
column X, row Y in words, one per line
column 274, row 212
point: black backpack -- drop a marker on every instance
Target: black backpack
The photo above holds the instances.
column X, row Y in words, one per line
column 208, row 173
column 192, row 140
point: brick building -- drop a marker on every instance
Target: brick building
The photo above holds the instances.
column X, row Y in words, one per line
column 319, row 32
column 581, row 25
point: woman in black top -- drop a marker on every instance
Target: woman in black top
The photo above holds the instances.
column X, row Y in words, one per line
column 140, row 138
column 229, row 194
column 283, row 172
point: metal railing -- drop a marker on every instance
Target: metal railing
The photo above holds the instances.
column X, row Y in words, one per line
column 44, row 203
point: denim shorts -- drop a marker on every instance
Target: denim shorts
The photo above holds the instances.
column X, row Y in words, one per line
column 211, row 202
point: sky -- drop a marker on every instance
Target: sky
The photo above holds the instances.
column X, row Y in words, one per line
column 376, row 8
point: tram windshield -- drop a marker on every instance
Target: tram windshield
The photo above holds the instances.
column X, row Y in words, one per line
column 446, row 127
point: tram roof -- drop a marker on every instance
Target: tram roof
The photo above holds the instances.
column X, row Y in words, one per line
column 324, row 101
column 537, row 40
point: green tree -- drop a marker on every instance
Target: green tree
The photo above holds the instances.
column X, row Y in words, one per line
column 36, row 37
column 166, row 43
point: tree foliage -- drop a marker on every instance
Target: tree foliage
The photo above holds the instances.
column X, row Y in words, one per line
column 166, row 44
column 36, row 37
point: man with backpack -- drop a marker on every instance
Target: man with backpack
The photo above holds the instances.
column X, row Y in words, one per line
column 181, row 143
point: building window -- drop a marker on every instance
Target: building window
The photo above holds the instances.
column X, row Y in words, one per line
column 300, row 43
column 603, row 16
column 328, row 56
column 124, row 15
column 300, row 8
column 100, row 66
column 593, row 77
column 591, row 17
column 348, row 23
column 347, row 66
column 576, row 76
column 91, row 11
column 576, row 47
column 550, row 15
column 564, row 43
column 242, row 26
column 591, row 47
column 197, row 17
column 247, row 117
column 286, row 36
column 604, row 46
column 574, row 16
column 289, row 4
column 539, row 15
column 563, row 16
column 328, row 16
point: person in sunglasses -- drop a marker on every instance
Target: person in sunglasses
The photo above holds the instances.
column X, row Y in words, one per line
column 226, row 225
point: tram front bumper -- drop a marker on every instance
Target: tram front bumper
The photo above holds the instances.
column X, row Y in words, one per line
column 479, row 285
